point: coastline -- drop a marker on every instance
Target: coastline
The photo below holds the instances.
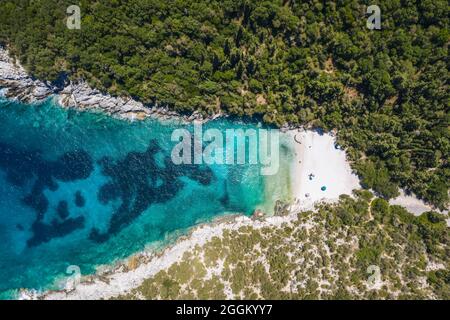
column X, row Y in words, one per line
column 17, row 84
column 110, row 281
column 320, row 171
column 315, row 153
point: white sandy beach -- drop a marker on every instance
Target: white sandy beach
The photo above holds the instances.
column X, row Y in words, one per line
column 318, row 163
column 314, row 154
column 319, row 172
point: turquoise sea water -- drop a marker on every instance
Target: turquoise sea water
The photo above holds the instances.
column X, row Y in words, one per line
column 84, row 189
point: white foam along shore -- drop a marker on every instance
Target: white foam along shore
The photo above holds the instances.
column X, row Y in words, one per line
column 319, row 172
column 114, row 281
column 335, row 173
column 314, row 153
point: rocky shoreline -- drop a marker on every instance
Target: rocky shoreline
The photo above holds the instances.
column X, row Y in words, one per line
column 119, row 278
column 17, row 84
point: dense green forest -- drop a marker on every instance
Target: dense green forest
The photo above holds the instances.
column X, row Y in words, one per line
column 283, row 62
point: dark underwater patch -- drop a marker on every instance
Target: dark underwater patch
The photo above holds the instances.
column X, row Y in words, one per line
column 76, row 165
column 63, row 209
column 28, row 167
column 79, row 199
column 43, row 232
column 37, row 201
column 225, row 199
column 139, row 181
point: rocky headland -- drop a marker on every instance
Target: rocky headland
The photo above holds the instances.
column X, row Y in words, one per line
column 17, row 84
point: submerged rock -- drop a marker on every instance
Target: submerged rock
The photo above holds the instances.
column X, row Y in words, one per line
column 63, row 210
column 79, row 199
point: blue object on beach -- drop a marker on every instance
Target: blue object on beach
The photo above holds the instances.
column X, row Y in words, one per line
column 323, row 188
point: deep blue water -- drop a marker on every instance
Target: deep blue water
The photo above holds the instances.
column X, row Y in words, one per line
column 86, row 189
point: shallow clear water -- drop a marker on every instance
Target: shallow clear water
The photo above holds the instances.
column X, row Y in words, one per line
column 86, row 189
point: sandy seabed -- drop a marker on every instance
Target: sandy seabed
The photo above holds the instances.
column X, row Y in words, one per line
column 319, row 172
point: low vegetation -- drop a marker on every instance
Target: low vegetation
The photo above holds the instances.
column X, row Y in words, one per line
column 334, row 253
